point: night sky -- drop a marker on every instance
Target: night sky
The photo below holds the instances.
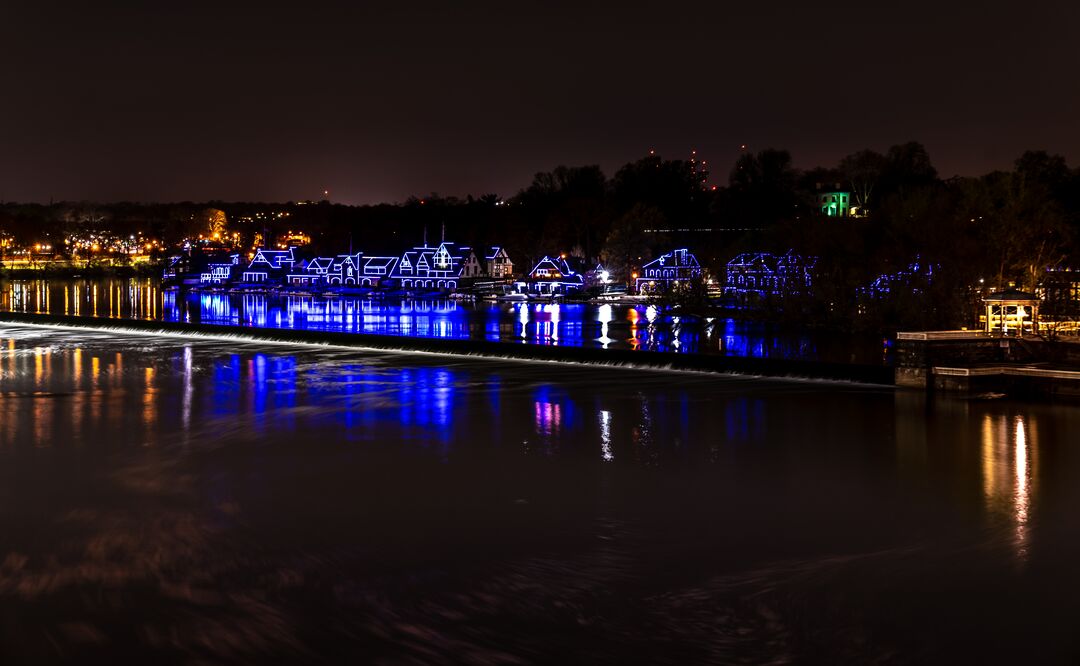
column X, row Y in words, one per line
column 377, row 101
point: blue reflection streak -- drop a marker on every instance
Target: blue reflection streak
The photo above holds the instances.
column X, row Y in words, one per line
column 640, row 326
column 226, row 398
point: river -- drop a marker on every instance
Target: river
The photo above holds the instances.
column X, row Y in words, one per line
column 634, row 327
column 192, row 500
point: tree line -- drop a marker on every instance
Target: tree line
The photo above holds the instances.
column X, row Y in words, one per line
column 998, row 229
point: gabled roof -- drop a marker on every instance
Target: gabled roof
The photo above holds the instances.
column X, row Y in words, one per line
column 675, row 259
column 1011, row 296
column 275, row 258
column 559, row 264
column 423, row 257
column 770, row 262
column 379, row 261
column 763, row 259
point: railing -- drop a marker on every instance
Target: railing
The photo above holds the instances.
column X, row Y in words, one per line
column 941, row 335
column 1008, row 370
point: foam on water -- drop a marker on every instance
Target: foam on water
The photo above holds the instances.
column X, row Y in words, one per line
column 267, row 338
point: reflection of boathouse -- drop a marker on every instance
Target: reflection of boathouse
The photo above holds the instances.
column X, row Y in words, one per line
column 675, row 268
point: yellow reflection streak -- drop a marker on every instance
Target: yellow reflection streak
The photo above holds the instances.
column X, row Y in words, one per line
column 1008, row 472
column 1022, row 496
column 149, row 404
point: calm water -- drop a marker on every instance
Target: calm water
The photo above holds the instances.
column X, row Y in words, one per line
column 180, row 500
column 601, row 326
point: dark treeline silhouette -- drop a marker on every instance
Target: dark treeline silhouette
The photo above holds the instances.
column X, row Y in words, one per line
column 992, row 231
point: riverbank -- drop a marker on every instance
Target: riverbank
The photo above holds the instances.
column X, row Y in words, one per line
column 715, row 363
column 973, row 363
column 62, row 272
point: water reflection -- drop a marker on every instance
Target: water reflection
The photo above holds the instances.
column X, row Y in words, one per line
column 605, row 436
column 1009, row 472
column 290, row 497
column 642, row 327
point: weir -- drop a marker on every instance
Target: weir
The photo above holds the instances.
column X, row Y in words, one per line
column 764, row 367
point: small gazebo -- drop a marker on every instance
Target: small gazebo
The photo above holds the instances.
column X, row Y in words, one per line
column 1012, row 312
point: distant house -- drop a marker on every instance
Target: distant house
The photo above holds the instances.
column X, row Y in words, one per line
column 597, row 276
column 497, row 263
column 178, row 269
column 313, row 272
column 219, row 272
column 759, row 275
column 835, row 203
column 429, row 267
column 1060, row 294
column 470, row 264
column 269, row 266
column 670, row 270
column 551, row 275
column 916, row 276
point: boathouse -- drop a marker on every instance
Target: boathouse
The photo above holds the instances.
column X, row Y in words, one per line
column 667, row 271
column 551, row 275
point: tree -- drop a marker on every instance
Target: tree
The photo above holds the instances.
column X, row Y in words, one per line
column 907, row 167
column 762, row 188
column 672, row 186
column 215, row 222
column 565, row 207
column 1038, row 166
column 862, row 171
column 627, row 244
column 1021, row 227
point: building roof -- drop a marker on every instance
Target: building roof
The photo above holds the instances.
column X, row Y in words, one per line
column 559, row 264
column 380, row 261
column 1011, row 296
column 675, row 259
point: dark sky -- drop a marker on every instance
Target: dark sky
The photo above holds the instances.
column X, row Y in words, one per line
column 375, row 101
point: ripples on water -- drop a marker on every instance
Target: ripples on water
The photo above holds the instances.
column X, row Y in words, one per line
column 172, row 499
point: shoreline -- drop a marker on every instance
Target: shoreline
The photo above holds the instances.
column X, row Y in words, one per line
column 646, row 360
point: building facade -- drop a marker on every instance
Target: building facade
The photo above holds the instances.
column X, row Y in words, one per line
column 755, row 276
column 551, row 275
column 835, row 204
column 675, row 268
column 269, row 266
column 497, row 263
column 429, row 267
